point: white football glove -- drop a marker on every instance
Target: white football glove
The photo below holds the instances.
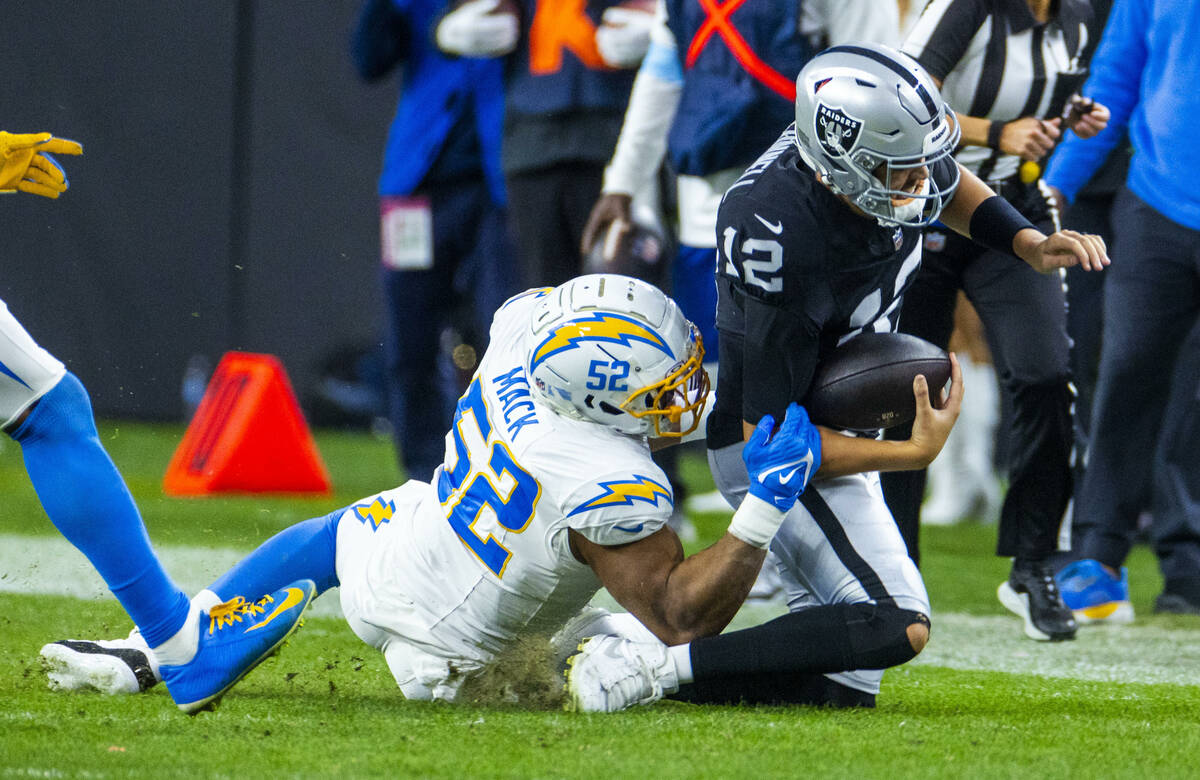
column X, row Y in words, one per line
column 623, row 36
column 472, row 30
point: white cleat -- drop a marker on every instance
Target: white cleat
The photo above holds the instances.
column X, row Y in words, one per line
column 112, row 667
column 611, row 673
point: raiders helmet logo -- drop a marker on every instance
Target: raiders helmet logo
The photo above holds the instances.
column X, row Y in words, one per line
column 836, row 131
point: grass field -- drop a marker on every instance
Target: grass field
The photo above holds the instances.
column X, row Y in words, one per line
column 982, row 701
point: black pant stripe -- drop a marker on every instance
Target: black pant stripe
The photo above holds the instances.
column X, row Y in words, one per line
column 832, row 528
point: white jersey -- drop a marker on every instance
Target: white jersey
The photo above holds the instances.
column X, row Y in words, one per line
column 482, row 555
column 27, row 372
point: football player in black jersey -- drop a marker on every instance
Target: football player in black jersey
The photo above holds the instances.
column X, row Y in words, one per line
column 817, row 242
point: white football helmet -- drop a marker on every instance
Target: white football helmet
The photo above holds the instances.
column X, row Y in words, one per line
column 864, row 111
column 617, row 351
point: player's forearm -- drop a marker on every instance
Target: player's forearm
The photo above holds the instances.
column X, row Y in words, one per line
column 971, row 192
column 842, row 455
column 974, row 129
column 704, row 591
column 643, row 141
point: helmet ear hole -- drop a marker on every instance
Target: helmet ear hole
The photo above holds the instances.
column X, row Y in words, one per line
column 608, row 408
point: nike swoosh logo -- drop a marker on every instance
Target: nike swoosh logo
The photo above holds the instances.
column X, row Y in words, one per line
column 774, row 227
column 294, row 597
column 806, row 463
column 633, row 530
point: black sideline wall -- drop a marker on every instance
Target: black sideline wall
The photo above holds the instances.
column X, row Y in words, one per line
column 225, row 199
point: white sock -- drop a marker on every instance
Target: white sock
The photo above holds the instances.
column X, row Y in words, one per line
column 181, row 647
column 206, row 600
column 681, row 656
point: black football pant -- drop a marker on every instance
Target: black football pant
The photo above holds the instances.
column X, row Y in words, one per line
column 1146, row 418
column 548, row 209
column 1024, row 318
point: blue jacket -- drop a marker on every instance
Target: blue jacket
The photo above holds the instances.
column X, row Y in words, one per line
column 555, row 72
column 1146, row 71
column 435, row 92
column 727, row 115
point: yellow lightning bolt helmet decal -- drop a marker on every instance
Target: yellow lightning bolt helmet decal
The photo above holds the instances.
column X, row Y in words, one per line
column 624, row 492
column 602, row 326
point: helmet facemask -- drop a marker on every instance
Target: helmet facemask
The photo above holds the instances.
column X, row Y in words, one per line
column 878, row 199
column 614, row 350
column 678, row 397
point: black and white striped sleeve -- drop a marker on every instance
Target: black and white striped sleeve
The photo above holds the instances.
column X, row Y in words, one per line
column 942, row 34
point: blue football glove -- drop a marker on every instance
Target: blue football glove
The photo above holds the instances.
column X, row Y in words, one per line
column 781, row 465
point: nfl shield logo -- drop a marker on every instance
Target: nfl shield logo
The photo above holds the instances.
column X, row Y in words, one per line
column 836, row 131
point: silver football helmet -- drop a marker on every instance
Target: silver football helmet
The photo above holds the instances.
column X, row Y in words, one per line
column 866, row 111
column 617, row 351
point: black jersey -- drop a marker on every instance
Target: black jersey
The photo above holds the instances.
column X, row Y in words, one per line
column 798, row 273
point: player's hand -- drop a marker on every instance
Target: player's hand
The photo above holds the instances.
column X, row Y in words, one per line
column 781, row 463
column 475, row 30
column 623, row 36
column 611, row 221
column 1086, row 117
column 26, row 164
column 933, row 424
column 1065, row 249
column 1030, row 138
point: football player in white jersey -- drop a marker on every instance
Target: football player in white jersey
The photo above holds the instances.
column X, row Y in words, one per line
column 46, row 410
column 547, row 492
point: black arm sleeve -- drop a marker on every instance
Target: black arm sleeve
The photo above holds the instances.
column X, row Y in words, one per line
column 772, row 253
column 780, row 358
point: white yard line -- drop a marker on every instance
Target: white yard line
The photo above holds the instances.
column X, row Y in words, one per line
column 1139, row 653
column 51, row 566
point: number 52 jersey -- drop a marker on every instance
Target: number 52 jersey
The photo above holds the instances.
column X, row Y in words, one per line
column 461, row 567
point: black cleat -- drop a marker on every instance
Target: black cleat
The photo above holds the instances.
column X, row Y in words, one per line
column 1175, row 604
column 1031, row 592
column 110, row 667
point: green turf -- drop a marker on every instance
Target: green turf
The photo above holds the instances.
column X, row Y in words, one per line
column 328, row 707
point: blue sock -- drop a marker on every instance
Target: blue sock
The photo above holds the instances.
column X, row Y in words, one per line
column 304, row 551
column 86, row 499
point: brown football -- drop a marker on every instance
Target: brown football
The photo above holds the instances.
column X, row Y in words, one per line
column 866, row 384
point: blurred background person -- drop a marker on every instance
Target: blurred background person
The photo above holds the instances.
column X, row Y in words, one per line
column 567, row 80
column 1010, row 72
column 962, row 480
column 443, row 224
column 1146, row 411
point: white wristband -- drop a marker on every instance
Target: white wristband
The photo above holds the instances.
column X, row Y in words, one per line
column 756, row 521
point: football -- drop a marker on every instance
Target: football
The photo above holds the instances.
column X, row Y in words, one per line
column 866, row 384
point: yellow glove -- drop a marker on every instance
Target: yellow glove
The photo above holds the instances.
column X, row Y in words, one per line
column 26, row 164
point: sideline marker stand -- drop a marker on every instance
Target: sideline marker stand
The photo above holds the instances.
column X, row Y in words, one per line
column 248, row 436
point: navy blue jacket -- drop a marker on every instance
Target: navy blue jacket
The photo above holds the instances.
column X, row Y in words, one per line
column 556, row 69
column 727, row 115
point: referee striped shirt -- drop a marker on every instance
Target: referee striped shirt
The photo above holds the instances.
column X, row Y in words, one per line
column 996, row 61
